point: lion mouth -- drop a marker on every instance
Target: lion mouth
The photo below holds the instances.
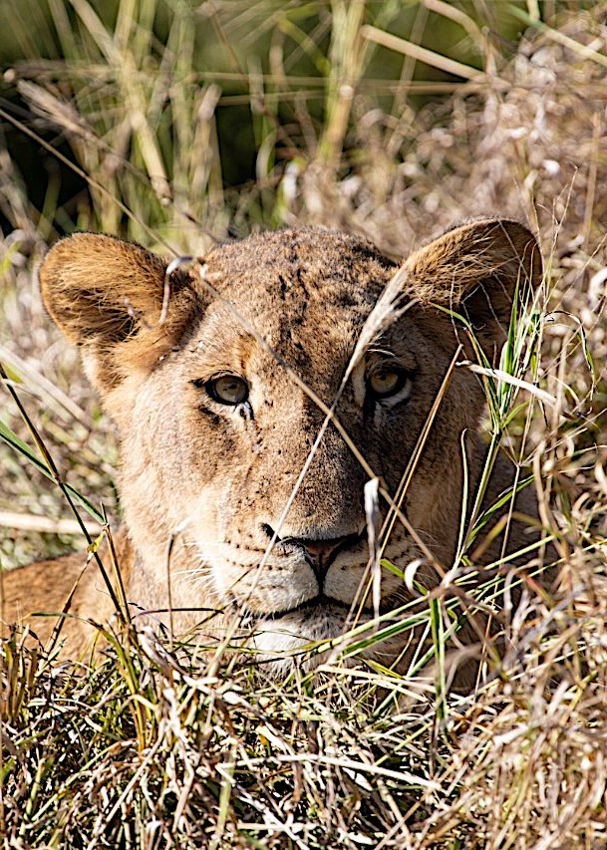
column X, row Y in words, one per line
column 317, row 603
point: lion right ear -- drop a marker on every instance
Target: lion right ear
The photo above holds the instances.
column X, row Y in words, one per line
column 107, row 296
column 476, row 270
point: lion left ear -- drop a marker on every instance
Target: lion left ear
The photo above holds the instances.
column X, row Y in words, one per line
column 475, row 270
column 107, row 296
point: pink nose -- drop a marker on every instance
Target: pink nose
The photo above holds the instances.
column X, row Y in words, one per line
column 320, row 550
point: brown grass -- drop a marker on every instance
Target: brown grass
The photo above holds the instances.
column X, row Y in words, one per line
column 145, row 750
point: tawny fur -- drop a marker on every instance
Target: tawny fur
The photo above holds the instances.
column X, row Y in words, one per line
column 213, row 478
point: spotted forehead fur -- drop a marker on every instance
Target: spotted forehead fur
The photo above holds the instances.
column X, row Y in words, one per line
column 284, row 284
column 302, row 266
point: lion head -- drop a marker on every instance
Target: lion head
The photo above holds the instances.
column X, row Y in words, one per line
column 257, row 392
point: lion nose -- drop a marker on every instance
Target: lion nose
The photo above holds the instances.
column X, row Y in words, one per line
column 320, row 553
column 320, row 549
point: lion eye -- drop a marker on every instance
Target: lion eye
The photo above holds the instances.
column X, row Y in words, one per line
column 387, row 382
column 228, row 389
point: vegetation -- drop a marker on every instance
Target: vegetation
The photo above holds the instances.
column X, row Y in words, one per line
column 177, row 124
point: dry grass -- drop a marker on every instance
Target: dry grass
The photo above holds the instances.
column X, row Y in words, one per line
column 145, row 749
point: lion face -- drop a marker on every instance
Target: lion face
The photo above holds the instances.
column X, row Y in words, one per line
column 220, row 394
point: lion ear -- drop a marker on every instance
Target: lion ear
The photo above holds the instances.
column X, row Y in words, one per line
column 475, row 270
column 107, row 295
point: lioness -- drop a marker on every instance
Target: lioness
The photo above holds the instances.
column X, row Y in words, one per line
column 214, row 431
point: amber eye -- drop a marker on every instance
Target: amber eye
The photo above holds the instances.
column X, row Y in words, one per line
column 384, row 383
column 228, row 389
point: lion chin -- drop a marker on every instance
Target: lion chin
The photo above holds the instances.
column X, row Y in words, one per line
column 297, row 638
column 320, row 632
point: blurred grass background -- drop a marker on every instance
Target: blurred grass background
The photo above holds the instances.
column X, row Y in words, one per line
column 174, row 104
column 182, row 123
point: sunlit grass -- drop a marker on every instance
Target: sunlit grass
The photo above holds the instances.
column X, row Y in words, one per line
column 142, row 747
